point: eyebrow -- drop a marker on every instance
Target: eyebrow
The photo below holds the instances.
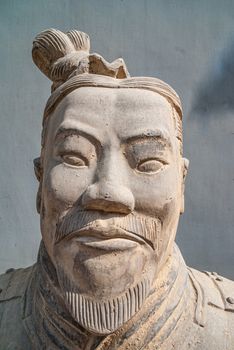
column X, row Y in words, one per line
column 150, row 134
column 78, row 129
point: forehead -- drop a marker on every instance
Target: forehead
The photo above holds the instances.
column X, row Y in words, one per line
column 122, row 111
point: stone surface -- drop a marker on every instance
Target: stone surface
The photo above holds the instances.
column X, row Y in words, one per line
column 111, row 190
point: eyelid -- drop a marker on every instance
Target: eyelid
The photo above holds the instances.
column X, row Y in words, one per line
column 161, row 165
column 74, row 155
column 163, row 161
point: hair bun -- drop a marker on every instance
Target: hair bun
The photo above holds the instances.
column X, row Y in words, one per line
column 57, row 54
column 62, row 55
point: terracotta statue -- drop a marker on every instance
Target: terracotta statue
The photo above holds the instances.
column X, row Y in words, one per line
column 111, row 190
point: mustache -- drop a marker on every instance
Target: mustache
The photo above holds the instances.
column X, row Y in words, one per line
column 142, row 227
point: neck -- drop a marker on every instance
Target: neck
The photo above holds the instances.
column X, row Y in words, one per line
column 54, row 324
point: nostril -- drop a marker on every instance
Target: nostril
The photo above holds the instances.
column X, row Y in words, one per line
column 112, row 199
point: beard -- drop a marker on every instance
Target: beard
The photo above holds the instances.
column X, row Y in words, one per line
column 103, row 314
column 103, row 317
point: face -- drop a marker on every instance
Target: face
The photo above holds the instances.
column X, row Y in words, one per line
column 112, row 191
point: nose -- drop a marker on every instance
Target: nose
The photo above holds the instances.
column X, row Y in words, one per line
column 108, row 197
column 109, row 194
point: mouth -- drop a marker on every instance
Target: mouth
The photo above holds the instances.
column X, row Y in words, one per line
column 105, row 237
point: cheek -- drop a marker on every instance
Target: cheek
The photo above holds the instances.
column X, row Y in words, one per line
column 62, row 188
column 64, row 185
column 158, row 194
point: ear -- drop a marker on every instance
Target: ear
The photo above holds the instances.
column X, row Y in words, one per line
column 38, row 172
column 185, row 165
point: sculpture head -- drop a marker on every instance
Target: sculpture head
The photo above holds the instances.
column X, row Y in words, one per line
column 111, row 177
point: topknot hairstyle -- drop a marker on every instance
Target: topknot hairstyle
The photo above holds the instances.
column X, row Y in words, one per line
column 65, row 59
column 63, row 55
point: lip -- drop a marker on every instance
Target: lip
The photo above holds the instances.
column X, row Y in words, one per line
column 109, row 238
column 112, row 244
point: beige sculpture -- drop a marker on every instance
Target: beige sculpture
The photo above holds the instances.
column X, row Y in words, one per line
column 111, row 190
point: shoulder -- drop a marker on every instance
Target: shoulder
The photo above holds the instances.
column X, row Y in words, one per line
column 214, row 310
column 13, row 285
column 217, row 290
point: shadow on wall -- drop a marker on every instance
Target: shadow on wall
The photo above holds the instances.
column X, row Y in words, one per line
column 216, row 91
column 210, row 186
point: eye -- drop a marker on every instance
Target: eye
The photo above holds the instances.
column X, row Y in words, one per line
column 74, row 160
column 150, row 166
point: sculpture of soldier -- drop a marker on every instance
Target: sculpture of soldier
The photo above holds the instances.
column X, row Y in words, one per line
column 111, row 190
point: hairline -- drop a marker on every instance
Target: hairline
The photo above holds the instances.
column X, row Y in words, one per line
column 141, row 83
column 94, row 80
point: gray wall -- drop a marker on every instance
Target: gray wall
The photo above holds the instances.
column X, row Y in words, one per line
column 189, row 44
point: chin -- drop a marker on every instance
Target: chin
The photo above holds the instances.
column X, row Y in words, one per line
column 98, row 300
